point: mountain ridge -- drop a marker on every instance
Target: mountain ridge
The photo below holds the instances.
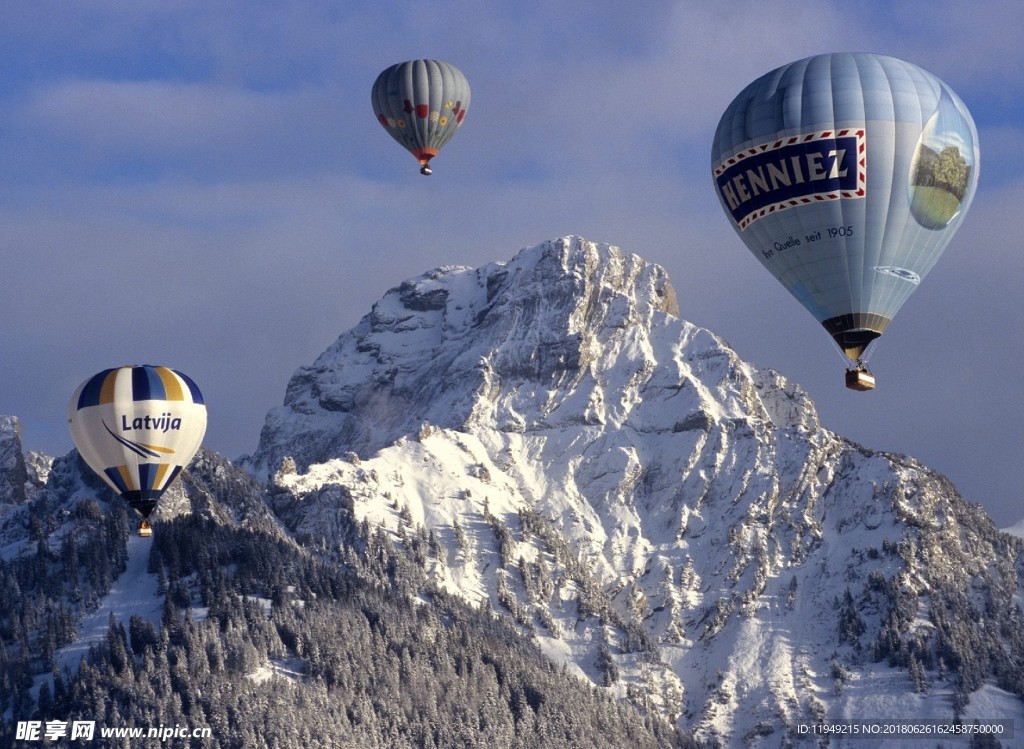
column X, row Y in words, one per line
column 546, row 440
column 567, row 397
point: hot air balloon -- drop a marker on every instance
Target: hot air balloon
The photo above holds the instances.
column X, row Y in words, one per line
column 137, row 427
column 847, row 175
column 421, row 103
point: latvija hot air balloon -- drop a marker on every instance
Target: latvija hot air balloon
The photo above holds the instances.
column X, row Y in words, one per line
column 421, row 103
column 137, row 427
column 847, row 175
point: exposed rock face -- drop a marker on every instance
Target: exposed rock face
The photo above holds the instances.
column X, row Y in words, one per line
column 14, row 476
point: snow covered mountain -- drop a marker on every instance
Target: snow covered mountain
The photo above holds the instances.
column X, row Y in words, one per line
column 660, row 516
column 545, row 440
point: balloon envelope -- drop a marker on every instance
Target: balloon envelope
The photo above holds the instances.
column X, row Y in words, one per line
column 137, row 427
column 421, row 103
column 847, row 175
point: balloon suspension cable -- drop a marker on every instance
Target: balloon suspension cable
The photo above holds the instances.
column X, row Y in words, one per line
column 841, row 354
column 858, row 376
column 870, row 351
column 861, row 361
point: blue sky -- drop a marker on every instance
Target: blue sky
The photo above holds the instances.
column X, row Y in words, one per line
column 204, row 185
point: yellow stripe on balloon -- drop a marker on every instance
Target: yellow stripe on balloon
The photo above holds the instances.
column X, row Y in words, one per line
column 107, row 391
column 126, row 476
column 172, row 385
column 161, row 476
column 157, row 448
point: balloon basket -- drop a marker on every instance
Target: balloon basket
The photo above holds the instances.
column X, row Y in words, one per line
column 860, row 379
column 145, row 531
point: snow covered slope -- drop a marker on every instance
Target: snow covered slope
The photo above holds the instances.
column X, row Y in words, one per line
column 133, row 593
column 663, row 518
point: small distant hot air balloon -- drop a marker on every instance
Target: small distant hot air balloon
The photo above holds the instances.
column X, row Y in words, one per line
column 137, row 427
column 421, row 103
column 847, row 175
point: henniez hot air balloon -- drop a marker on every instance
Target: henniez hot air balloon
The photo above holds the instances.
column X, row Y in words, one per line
column 137, row 427
column 847, row 175
column 421, row 103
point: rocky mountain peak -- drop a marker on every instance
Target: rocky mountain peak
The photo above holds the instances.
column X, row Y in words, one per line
column 459, row 344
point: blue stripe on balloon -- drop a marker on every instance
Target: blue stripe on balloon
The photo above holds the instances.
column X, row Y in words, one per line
column 147, row 476
column 197, row 397
column 90, row 395
column 116, row 479
column 147, row 385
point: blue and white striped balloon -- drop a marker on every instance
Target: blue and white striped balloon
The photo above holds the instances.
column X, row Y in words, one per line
column 137, row 428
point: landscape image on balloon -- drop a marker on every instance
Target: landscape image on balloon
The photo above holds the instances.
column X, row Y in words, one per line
column 940, row 173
